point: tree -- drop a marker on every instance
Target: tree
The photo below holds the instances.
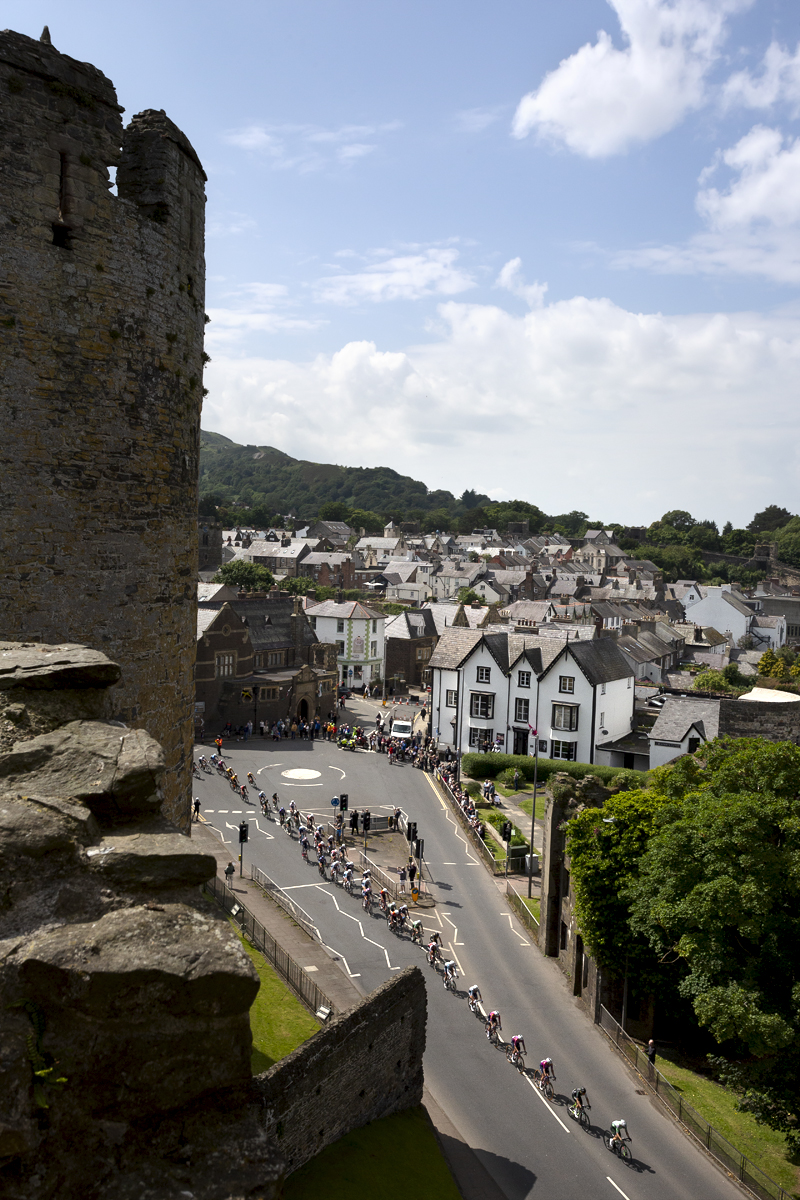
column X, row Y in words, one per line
column 473, row 499
column 468, row 596
column 768, row 663
column 711, row 681
column 717, row 893
column 771, row 518
column 208, row 504
column 370, row 522
column 334, row 510
column 250, row 576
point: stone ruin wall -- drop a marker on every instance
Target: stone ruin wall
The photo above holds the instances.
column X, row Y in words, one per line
column 131, row 992
column 365, row 1065
column 101, row 341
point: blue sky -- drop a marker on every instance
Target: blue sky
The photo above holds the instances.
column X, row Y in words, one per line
column 547, row 251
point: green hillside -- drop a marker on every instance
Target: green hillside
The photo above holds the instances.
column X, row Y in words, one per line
column 265, row 477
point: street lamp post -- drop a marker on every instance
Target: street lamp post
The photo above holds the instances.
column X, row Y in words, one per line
column 535, row 784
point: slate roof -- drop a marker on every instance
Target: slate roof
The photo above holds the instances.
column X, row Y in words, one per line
column 204, row 618
column 600, row 660
column 679, row 714
column 454, row 645
column 347, row 609
column 269, row 623
column 737, row 603
column 445, row 614
column 332, row 558
column 410, row 625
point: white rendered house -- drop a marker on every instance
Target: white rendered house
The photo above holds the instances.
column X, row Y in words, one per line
column 358, row 634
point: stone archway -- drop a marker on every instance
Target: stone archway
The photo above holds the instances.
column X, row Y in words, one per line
column 302, row 710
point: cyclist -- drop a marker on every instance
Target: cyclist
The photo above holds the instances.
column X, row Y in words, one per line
column 384, row 898
column 250, row 778
column 262, row 799
column 517, row 1046
column 321, row 865
column 619, row 1130
column 450, row 972
column 366, row 896
column 416, row 931
column 433, row 952
column 580, row 1099
column 243, row 792
column 292, row 807
column 304, row 845
column 282, row 816
column 202, row 761
column 493, row 1024
column 474, row 996
column 547, row 1069
column 348, row 878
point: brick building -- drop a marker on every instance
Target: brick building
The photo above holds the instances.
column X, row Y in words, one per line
column 410, row 639
column 329, row 570
column 259, row 659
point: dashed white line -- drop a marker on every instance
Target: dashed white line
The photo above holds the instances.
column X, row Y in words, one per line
column 616, row 1185
column 524, row 941
column 360, row 926
column 549, row 1108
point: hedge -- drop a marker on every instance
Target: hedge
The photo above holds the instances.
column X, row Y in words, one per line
column 489, row 766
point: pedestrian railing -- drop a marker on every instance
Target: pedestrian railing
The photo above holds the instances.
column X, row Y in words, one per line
column 291, row 972
column 521, row 909
column 732, row 1159
column 487, row 857
column 277, row 893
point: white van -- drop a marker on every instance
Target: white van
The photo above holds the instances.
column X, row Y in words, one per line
column 402, row 729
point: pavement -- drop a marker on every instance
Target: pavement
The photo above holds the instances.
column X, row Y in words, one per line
column 524, row 1144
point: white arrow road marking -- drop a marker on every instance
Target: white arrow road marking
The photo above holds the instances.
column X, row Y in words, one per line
column 218, row 832
column 360, row 926
column 339, row 769
column 268, row 768
column 524, row 941
column 552, row 1111
column 269, row 836
column 616, row 1185
column 455, row 930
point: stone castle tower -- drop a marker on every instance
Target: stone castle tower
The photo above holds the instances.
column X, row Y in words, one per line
column 101, row 353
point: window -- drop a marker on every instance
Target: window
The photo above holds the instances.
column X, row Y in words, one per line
column 524, row 679
column 340, row 648
column 256, row 660
column 629, row 681
column 484, row 674
column 602, row 719
column 521, row 710
column 423, row 653
column 602, row 689
column 340, row 626
column 565, row 750
column 225, row 665
column 450, row 699
column 276, row 658
column 481, row 704
column 480, row 737
column 565, row 716
column 373, row 650
column 269, row 693
column 566, row 683
column 375, row 626
column 543, row 747
column 313, row 621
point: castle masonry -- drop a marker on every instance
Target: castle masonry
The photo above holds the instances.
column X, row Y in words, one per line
column 101, row 362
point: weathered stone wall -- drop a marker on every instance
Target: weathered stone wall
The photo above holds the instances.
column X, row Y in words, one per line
column 101, row 340
column 125, row 1036
column 366, row 1064
column 776, row 722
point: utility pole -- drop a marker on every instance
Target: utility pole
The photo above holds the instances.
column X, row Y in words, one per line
column 535, row 784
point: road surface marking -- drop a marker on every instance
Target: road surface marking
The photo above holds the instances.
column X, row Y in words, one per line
column 269, row 836
column 223, row 810
column 551, row 1110
column 616, row 1185
column 311, row 968
column 360, row 926
column 205, row 810
column 287, row 783
column 268, row 768
column 524, row 941
column 300, row 773
column 455, row 930
column 449, row 864
column 446, row 811
column 295, row 887
column 339, row 769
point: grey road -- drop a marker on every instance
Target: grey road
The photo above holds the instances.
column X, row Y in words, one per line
column 528, row 1145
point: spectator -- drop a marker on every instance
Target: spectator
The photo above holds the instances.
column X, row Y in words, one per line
column 402, row 879
column 651, row 1052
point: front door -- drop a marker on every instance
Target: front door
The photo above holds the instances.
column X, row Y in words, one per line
column 520, row 741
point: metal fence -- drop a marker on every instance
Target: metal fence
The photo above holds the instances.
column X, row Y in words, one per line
column 277, row 893
column 488, row 859
column 298, row 980
column 521, row 909
column 732, row 1159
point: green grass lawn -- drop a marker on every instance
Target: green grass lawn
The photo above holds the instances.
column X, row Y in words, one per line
column 527, row 806
column 532, row 905
column 763, row 1146
column 397, row 1158
column 278, row 1020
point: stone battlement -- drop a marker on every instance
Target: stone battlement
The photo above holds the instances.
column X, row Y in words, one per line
column 101, row 338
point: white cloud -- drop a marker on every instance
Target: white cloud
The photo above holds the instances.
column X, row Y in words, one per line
column 475, row 120
column 253, row 308
column 226, row 224
column 511, row 279
column 602, row 100
column 778, row 80
column 569, row 399
column 307, row 148
column 753, row 223
column 767, row 188
column 402, row 277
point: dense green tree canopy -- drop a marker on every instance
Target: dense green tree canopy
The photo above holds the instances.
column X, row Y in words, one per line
column 772, row 517
column 251, row 576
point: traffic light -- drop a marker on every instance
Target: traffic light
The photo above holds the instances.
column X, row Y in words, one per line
column 419, row 846
column 411, row 830
column 343, row 802
column 367, row 821
column 244, row 832
column 507, row 831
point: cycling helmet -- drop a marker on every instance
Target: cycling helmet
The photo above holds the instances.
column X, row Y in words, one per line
column 548, row 1060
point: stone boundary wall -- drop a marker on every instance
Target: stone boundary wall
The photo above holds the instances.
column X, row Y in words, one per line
column 366, row 1064
column 776, row 722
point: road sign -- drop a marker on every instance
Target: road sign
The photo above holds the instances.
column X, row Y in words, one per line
column 414, row 894
column 335, row 801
